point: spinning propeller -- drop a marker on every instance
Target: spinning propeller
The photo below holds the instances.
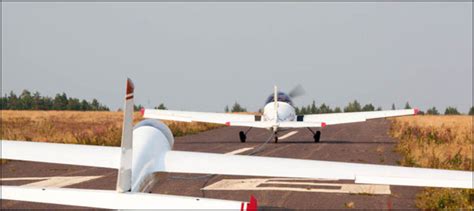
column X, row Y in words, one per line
column 297, row 91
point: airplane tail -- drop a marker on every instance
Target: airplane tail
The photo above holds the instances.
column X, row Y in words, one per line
column 124, row 179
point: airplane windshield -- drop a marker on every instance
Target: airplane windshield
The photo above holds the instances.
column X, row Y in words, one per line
column 282, row 97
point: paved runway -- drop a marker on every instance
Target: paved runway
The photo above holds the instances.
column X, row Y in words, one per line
column 366, row 142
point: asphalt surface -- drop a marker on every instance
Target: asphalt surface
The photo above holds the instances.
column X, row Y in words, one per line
column 366, row 142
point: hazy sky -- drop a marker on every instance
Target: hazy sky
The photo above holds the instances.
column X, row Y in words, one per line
column 202, row 56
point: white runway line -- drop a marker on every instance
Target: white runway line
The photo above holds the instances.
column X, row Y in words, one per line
column 55, row 182
column 288, row 135
column 239, row 151
column 309, row 186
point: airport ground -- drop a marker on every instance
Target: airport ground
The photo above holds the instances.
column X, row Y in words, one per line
column 367, row 142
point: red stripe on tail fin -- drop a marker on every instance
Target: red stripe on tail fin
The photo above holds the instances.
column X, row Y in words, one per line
column 130, row 86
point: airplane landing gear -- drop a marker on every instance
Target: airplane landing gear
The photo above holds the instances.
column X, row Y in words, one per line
column 243, row 135
column 275, row 136
column 316, row 136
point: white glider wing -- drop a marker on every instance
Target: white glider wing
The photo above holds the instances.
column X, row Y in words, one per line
column 243, row 165
column 351, row 117
column 190, row 116
column 212, row 163
column 108, row 199
column 72, row 154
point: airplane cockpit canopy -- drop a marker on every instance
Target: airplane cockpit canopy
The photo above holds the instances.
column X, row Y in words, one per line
column 282, row 97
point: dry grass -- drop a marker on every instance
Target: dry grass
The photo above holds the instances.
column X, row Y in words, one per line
column 444, row 142
column 94, row 128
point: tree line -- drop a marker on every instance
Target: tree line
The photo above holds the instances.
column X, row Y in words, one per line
column 235, row 108
column 28, row 101
column 353, row 106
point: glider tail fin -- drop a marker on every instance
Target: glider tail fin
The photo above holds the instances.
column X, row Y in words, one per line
column 124, row 179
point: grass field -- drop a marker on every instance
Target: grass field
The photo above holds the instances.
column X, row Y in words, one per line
column 94, row 128
column 444, row 142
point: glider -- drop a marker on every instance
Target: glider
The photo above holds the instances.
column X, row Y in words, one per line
column 147, row 148
column 278, row 113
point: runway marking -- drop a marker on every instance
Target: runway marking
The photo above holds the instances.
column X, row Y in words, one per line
column 288, row 135
column 310, row 186
column 53, row 182
column 239, row 151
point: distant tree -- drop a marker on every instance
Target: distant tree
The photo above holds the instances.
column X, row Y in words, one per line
column 353, row 107
column 368, row 107
column 407, row 106
column 47, row 103
column 432, row 111
column 60, row 102
column 26, row 100
column 237, row 108
column 35, row 101
column 337, row 110
column 85, row 106
column 297, row 110
column 378, row 108
column 471, row 111
column 12, row 102
column 3, row 103
column 303, row 110
column 137, row 107
column 324, row 109
column 226, row 109
column 393, row 106
column 95, row 105
column 73, row 104
column 161, row 106
column 313, row 109
column 451, row 111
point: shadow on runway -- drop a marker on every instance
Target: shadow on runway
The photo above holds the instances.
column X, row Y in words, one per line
column 337, row 142
column 289, row 142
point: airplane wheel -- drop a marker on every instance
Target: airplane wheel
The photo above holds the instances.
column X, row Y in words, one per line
column 242, row 136
column 317, row 136
column 276, row 139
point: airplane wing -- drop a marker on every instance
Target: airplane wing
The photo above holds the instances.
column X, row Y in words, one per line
column 108, row 199
column 212, row 163
column 350, row 117
column 243, row 165
column 72, row 154
column 189, row 116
